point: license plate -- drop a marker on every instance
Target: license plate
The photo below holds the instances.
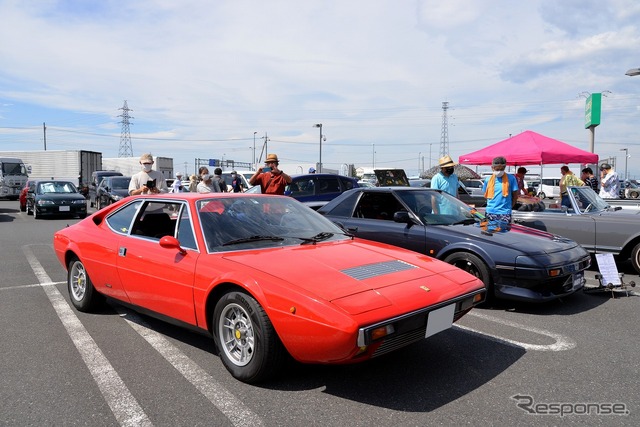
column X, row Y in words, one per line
column 64, row 209
column 440, row 319
column 578, row 280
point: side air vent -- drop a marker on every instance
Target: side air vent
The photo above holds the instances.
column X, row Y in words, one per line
column 378, row 269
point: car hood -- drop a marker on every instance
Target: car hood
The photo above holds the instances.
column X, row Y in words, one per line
column 379, row 275
column 119, row 192
column 529, row 240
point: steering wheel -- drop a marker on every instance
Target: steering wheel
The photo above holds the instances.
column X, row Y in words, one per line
column 588, row 208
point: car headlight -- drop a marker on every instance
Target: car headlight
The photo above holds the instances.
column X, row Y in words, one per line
column 115, row 197
column 79, row 202
column 44, row 202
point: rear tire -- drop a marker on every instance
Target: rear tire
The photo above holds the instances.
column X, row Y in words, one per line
column 247, row 342
column 83, row 295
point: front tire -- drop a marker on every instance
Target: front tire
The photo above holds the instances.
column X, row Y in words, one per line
column 248, row 344
column 473, row 265
column 635, row 258
column 83, row 295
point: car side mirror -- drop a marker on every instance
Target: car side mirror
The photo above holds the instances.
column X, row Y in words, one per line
column 402, row 217
column 170, row 242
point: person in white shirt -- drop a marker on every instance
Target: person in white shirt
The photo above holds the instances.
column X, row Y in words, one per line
column 147, row 181
column 177, row 186
column 609, row 182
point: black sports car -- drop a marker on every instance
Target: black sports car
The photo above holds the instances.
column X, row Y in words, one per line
column 112, row 189
column 513, row 261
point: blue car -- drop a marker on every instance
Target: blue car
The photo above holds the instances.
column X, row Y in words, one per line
column 513, row 261
column 319, row 187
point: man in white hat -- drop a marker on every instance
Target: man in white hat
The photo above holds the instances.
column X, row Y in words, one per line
column 177, row 186
column 446, row 180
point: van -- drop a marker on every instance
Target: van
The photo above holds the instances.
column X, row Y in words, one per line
column 549, row 188
column 96, row 178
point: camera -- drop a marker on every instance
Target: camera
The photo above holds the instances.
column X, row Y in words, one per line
column 151, row 184
column 267, row 169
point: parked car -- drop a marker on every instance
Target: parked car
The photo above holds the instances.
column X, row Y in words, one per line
column 222, row 264
column 96, row 178
column 549, row 188
column 593, row 223
column 319, row 187
column 55, row 198
column 629, row 190
column 474, row 186
column 112, row 189
column 514, row 262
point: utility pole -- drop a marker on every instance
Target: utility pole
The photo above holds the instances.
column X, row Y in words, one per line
column 126, row 150
column 44, row 130
column 444, row 133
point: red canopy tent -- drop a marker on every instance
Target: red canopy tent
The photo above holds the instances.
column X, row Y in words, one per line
column 530, row 148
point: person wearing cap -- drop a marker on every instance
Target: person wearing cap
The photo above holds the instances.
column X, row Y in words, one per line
column 147, row 181
column 568, row 179
column 609, row 182
column 312, row 170
column 271, row 179
column 446, row 180
column 177, row 186
column 501, row 191
column 522, row 185
column 236, row 182
column 208, row 185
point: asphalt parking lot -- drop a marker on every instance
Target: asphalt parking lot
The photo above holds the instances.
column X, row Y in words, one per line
column 569, row 362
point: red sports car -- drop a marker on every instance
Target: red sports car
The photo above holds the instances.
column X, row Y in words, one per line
column 264, row 275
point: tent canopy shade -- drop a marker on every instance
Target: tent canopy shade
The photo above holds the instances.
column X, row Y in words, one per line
column 530, row 148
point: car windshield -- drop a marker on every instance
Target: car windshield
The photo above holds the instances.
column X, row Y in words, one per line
column 120, row 183
column 587, row 200
column 250, row 222
column 56, row 187
column 438, row 208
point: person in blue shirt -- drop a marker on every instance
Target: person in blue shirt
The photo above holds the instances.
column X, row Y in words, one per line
column 446, row 180
column 501, row 191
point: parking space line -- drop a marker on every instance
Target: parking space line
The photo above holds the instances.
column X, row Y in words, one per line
column 36, row 285
column 561, row 343
column 217, row 394
column 122, row 403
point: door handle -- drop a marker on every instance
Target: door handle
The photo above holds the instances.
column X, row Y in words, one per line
column 352, row 229
column 122, row 251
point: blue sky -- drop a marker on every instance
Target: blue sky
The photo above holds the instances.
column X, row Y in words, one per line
column 202, row 76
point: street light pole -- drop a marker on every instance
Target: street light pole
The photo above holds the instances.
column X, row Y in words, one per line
column 626, row 157
column 254, row 161
column 319, row 125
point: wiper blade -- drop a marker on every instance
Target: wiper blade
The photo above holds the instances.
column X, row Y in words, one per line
column 466, row 221
column 253, row 239
column 317, row 238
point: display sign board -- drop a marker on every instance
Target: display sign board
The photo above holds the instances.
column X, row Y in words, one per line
column 592, row 110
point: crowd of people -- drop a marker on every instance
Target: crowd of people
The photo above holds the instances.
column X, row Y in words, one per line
column 502, row 189
column 148, row 181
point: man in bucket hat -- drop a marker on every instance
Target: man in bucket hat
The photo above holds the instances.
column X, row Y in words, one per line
column 273, row 180
column 446, row 180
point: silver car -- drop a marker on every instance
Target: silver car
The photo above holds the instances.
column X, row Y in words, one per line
column 593, row 223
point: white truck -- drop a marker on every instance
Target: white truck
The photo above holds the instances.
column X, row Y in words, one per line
column 129, row 166
column 13, row 177
column 69, row 165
